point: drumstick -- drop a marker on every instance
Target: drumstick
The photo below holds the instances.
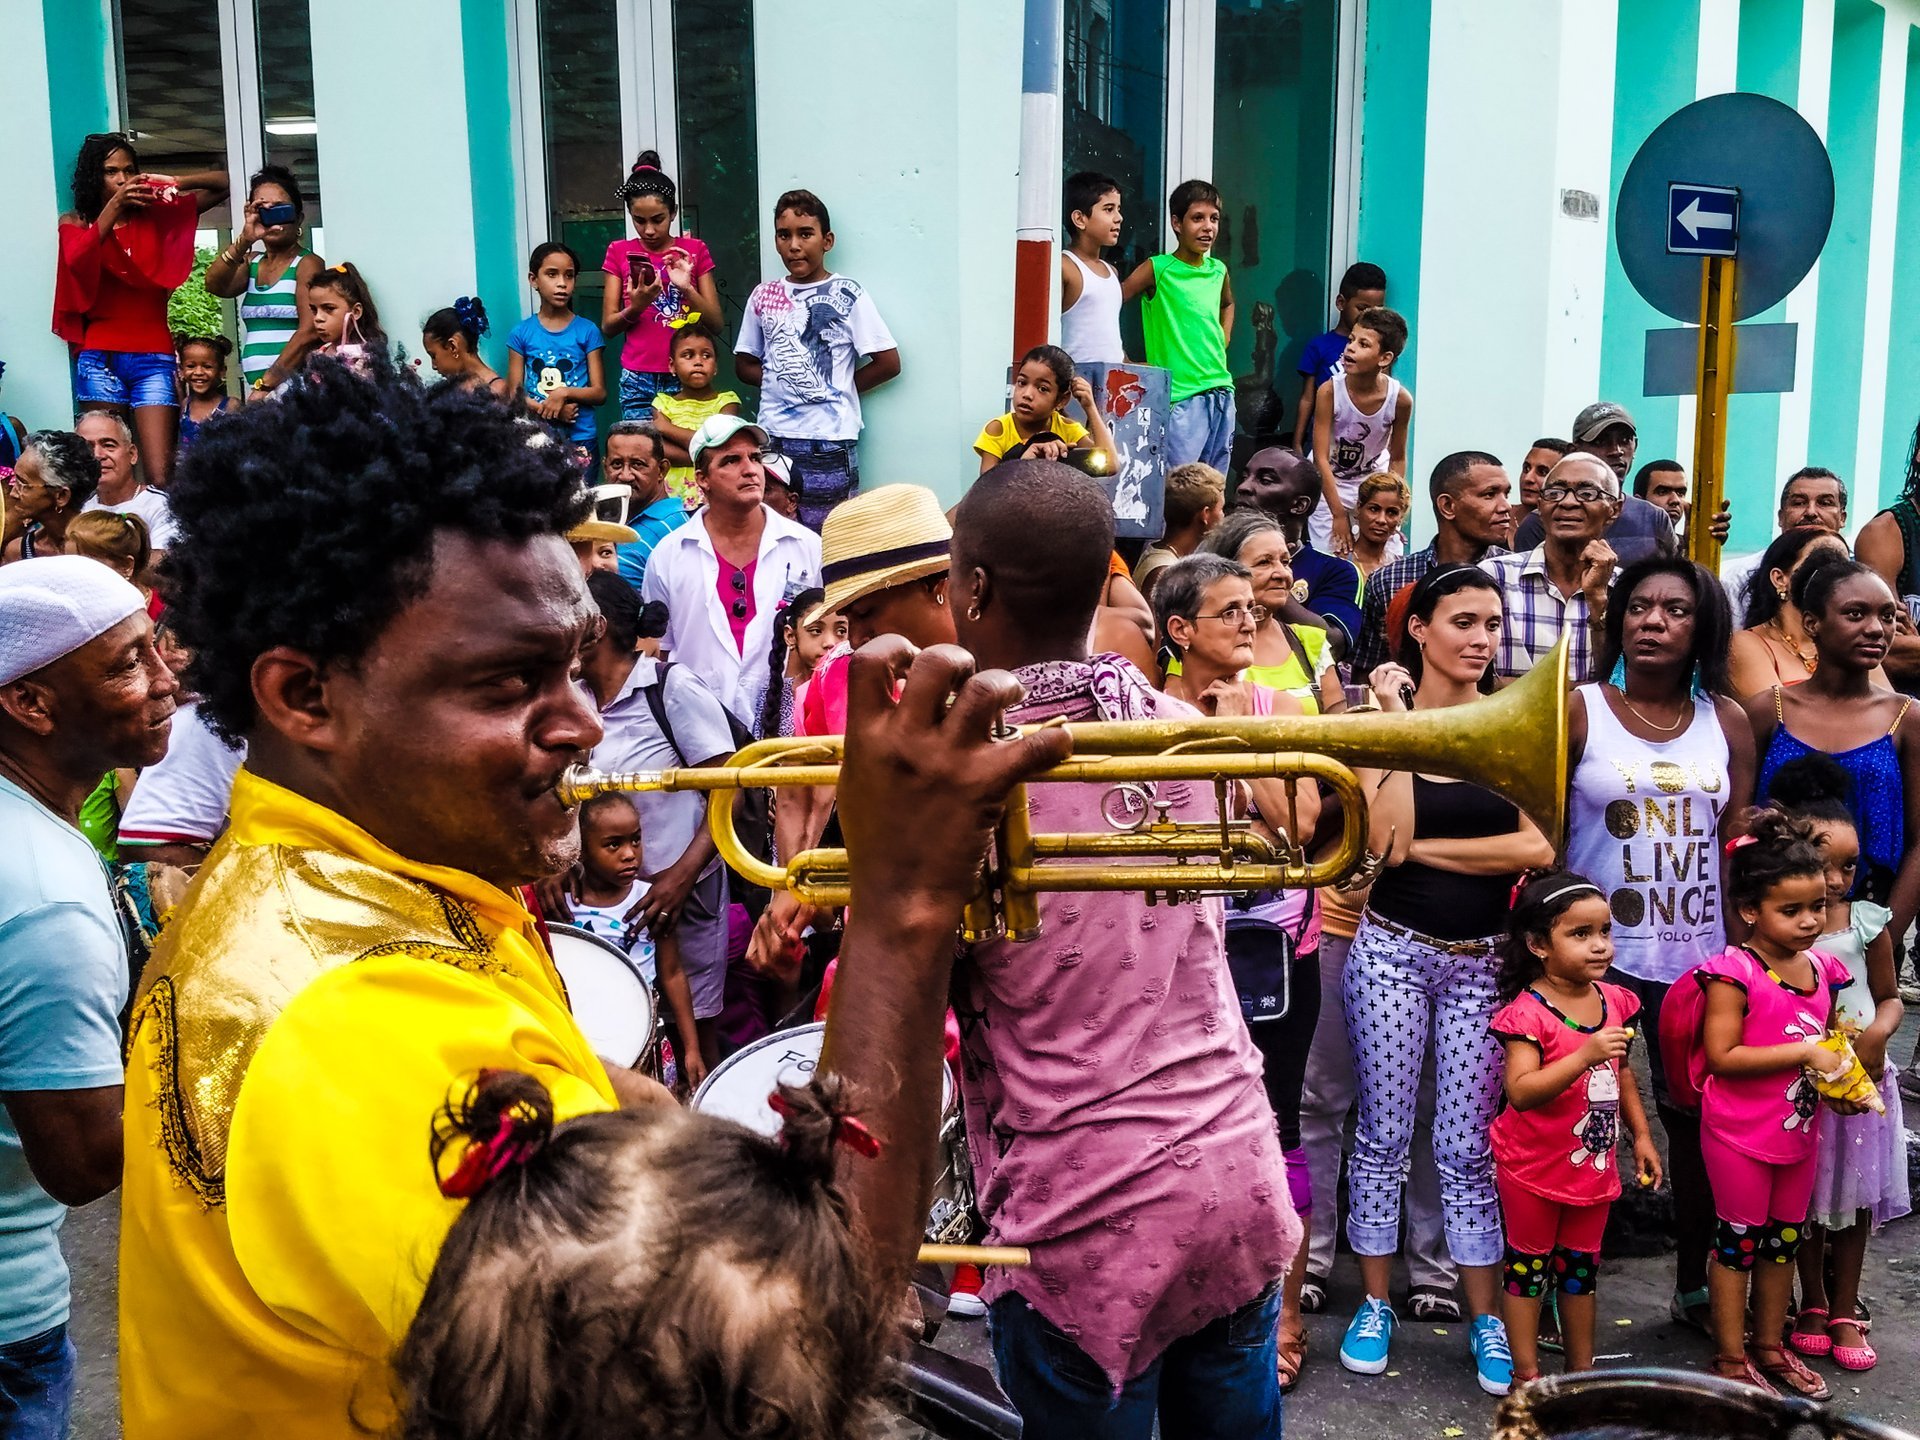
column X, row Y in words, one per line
column 975, row 1255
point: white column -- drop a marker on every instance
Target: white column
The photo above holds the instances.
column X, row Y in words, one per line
column 1812, row 100
column 394, row 163
column 1500, row 255
column 36, row 387
column 923, row 205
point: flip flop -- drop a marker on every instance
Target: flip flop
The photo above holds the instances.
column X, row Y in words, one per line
column 1313, row 1294
column 1816, row 1344
column 1292, row 1350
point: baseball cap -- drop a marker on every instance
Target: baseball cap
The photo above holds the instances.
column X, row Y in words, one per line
column 717, row 430
column 1597, row 418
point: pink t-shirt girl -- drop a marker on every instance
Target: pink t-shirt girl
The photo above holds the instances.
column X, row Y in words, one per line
column 1770, row 1117
column 649, row 344
column 1563, row 1150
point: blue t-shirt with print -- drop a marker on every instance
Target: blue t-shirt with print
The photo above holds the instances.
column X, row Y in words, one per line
column 63, row 979
column 1321, row 354
column 556, row 358
column 1330, row 587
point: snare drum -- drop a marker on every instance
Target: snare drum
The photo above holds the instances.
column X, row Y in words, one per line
column 739, row 1086
column 612, row 1002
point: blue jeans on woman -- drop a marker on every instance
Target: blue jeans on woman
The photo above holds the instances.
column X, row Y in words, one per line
column 1220, row 1383
column 36, row 1386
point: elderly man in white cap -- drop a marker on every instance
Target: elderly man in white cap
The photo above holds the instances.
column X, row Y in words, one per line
column 82, row 690
column 724, row 575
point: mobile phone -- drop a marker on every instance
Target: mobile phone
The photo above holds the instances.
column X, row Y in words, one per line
column 271, row 215
column 641, row 269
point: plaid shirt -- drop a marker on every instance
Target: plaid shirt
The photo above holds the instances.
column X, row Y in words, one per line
column 1372, row 647
column 1535, row 617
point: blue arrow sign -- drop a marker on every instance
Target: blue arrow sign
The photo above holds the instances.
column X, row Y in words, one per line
column 1703, row 219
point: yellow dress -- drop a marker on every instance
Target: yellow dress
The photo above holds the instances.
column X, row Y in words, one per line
column 1071, row 431
column 309, row 1007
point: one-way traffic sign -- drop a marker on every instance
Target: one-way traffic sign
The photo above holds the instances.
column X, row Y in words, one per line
column 1703, row 219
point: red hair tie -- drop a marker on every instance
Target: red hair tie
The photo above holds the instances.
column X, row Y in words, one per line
column 847, row 1131
column 486, row 1159
column 1739, row 840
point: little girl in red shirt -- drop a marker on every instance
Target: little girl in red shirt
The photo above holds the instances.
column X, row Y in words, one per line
column 1568, row 1087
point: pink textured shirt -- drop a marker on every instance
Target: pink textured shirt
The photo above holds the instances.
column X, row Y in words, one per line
column 1116, row 1117
column 1770, row 1117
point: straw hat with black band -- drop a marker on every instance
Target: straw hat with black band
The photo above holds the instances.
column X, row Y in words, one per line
column 881, row 538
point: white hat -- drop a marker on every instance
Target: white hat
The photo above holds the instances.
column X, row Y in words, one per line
column 51, row 606
column 717, row 430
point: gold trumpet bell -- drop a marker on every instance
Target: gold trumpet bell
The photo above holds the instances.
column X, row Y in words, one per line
column 1513, row 743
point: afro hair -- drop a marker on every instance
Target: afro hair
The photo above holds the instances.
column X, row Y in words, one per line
column 308, row 521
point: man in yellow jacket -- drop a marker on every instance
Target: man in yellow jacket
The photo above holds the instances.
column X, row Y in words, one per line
column 380, row 601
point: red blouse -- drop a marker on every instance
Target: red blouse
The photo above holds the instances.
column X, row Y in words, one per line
column 110, row 292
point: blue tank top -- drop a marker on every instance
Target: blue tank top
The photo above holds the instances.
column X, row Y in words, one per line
column 1878, row 800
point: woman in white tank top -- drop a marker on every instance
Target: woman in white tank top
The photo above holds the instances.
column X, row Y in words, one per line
column 1090, row 327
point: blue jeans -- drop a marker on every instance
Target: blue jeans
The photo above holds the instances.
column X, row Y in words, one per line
column 637, row 389
column 1220, row 1383
column 825, row 472
column 36, row 1386
column 124, row 377
column 1200, row 427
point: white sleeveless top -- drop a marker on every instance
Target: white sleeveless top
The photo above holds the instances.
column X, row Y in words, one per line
column 1359, row 449
column 1090, row 327
column 1644, row 823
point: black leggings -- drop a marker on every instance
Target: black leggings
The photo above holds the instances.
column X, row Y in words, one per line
column 1284, row 1043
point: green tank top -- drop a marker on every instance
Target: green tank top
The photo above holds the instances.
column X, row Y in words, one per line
column 1181, row 319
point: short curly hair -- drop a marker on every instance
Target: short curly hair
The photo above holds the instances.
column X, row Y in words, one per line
column 309, row 520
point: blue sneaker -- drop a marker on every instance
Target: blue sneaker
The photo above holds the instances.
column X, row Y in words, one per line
column 1492, row 1359
column 1364, row 1351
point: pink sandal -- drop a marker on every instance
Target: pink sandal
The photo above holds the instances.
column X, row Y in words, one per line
column 1851, row 1357
column 1816, row 1344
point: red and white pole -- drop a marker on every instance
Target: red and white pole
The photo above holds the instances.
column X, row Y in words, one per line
column 1036, row 266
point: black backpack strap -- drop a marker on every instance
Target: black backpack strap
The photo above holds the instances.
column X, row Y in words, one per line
column 656, row 694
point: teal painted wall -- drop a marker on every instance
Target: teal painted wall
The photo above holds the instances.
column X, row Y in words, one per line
column 1769, row 64
column 78, row 41
column 484, row 37
column 1833, row 435
column 1903, row 349
column 1393, row 160
column 1658, row 45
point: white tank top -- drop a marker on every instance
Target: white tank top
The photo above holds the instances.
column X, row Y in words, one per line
column 1360, row 440
column 1090, row 327
column 1644, row 827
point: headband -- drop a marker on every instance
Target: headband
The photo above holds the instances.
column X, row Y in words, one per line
column 646, row 180
column 1574, row 889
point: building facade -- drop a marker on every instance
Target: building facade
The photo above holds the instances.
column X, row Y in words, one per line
column 1473, row 148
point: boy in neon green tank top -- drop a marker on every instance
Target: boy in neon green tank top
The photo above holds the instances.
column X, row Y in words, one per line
column 1186, row 310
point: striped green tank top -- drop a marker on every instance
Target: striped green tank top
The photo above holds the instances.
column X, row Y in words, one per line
column 269, row 315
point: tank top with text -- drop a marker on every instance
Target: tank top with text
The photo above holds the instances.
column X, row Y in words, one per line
column 1644, row 826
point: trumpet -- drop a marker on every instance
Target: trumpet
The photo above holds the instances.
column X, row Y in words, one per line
column 1513, row 743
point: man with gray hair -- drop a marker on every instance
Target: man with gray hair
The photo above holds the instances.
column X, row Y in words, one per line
column 121, row 488
column 1559, row 587
column 82, row 691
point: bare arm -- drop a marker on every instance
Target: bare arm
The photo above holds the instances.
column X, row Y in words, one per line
column 674, row 437
column 71, row 1140
column 1226, row 309
column 712, row 317
column 748, row 368
column 1522, row 849
column 299, row 344
column 1140, row 282
column 1322, row 451
column 1070, row 282
column 516, row 373
column 1905, row 899
column 1646, row 1155
column 1749, row 666
column 1720, row 1036
column 1531, row 1085
column 879, row 369
column 1303, row 414
column 679, row 997
column 1397, row 440
column 226, row 275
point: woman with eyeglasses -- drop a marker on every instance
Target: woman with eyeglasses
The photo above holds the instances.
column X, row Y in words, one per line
column 1288, row 656
column 1421, row 982
column 1206, row 619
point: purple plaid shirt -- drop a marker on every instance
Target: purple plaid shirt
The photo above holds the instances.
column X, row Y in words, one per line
column 1535, row 616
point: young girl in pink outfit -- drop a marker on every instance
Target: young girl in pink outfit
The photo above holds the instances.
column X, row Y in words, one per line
column 1766, row 1004
column 1568, row 1089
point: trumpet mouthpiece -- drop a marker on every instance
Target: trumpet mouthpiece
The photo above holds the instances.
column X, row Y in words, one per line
column 581, row 783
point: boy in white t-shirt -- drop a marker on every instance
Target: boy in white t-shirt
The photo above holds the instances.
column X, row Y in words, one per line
column 606, row 892
column 802, row 341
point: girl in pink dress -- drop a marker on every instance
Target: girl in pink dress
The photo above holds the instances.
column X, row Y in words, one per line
column 1766, row 1004
column 1568, row 1090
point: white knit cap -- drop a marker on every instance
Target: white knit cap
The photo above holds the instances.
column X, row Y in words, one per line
column 53, row 605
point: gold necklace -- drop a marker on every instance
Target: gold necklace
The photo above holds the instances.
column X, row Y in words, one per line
column 1652, row 724
column 1787, row 641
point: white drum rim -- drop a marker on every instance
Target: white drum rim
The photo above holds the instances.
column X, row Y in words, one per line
column 650, row 1015
column 702, row 1097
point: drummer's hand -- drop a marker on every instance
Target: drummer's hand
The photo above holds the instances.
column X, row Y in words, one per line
column 923, row 783
column 552, row 895
column 658, row 911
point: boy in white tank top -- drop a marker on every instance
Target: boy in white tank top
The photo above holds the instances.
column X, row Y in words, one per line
column 1360, row 420
column 1089, row 286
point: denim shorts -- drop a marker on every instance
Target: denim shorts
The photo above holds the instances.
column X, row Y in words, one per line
column 124, row 377
column 637, row 389
column 36, row 1386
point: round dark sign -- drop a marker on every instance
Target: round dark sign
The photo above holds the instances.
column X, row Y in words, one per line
column 1775, row 159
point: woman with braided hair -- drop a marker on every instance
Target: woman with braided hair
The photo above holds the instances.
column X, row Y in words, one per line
column 659, row 284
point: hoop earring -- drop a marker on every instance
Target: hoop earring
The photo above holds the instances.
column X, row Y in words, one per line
column 973, row 611
column 939, row 599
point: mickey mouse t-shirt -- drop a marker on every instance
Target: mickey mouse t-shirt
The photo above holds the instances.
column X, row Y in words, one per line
column 1563, row 1150
column 557, row 358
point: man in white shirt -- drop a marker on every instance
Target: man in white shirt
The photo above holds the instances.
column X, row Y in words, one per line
column 726, row 572
column 179, row 808
column 120, row 488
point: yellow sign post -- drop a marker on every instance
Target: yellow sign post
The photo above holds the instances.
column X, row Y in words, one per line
column 1713, row 385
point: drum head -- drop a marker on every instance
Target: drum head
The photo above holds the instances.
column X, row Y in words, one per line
column 739, row 1086
column 612, row 1002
